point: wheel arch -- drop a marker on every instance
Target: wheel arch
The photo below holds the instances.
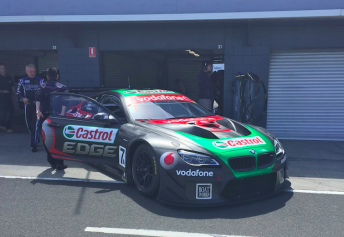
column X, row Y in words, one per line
column 131, row 152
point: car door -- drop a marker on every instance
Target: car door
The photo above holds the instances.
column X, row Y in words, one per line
column 81, row 129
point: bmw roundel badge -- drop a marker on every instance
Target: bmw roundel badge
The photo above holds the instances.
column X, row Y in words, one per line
column 253, row 151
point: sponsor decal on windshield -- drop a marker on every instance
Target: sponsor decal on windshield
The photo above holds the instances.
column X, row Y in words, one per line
column 91, row 134
column 147, row 91
column 239, row 142
column 150, row 98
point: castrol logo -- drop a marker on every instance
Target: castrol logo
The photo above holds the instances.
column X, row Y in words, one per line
column 91, row 134
column 239, row 142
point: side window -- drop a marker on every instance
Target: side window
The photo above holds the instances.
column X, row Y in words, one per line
column 74, row 106
column 110, row 103
column 113, row 104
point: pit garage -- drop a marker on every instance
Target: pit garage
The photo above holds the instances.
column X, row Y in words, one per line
column 16, row 60
column 306, row 99
column 158, row 68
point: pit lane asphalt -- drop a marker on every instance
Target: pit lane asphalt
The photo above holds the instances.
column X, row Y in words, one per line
column 54, row 208
column 57, row 208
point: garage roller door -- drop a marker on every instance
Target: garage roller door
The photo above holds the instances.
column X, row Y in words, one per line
column 187, row 72
column 143, row 73
column 306, row 95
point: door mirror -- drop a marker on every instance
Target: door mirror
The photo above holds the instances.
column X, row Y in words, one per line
column 101, row 116
column 105, row 116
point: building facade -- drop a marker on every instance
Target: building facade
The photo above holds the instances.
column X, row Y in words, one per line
column 296, row 48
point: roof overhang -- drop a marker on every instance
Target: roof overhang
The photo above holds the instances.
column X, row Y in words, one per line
column 331, row 13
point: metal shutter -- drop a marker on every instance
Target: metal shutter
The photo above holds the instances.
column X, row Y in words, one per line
column 187, row 72
column 117, row 68
column 48, row 59
column 306, row 95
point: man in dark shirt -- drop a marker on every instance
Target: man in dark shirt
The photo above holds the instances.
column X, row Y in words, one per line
column 6, row 105
column 205, row 86
column 27, row 87
column 42, row 98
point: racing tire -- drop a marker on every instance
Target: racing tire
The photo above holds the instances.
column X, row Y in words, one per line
column 145, row 171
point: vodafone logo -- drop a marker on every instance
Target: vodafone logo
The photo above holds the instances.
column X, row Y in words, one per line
column 168, row 160
column 92, row 134
column 239, row 142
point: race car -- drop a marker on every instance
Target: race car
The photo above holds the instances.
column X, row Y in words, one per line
column 169, row 146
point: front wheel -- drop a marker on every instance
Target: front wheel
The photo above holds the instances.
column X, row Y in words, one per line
column 145, row 171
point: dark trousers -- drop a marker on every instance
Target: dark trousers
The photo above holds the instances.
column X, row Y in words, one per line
column 5, row 117
column 31, row 120
column 53, row 162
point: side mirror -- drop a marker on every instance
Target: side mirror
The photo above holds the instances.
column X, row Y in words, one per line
column 101, row 116
column 105, row 116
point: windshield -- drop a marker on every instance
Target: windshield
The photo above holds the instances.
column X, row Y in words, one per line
column 158, row 110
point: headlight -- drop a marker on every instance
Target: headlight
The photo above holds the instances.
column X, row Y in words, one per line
column 278, row 147
column 197, row 159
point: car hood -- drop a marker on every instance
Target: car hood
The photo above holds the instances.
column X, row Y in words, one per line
column 217, row 134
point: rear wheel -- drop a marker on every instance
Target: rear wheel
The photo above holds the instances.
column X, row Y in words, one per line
column 145, row 171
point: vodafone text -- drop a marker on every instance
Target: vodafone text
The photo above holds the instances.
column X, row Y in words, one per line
column 195, row 173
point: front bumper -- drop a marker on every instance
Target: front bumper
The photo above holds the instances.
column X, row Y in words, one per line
column 223, row 187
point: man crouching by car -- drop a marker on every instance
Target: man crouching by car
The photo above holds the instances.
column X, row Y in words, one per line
column 42, row 98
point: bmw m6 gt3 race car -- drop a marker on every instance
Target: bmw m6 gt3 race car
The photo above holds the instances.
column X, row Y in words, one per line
column 167, row 145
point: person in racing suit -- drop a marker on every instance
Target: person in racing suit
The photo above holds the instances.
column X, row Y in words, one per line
column 42, row 98
column 27, row 87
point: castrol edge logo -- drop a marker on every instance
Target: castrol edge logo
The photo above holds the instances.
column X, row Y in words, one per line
column 91, row 134
column 239, row 142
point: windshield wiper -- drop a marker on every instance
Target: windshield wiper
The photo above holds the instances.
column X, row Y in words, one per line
column 142, row 120
column 182, row 117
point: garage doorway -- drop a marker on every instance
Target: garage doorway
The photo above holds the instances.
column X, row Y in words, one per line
column 157, row 68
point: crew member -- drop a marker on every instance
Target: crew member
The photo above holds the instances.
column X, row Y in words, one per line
column 6, row 105
column 27, row 87
column 42, row 98
column 205, row 86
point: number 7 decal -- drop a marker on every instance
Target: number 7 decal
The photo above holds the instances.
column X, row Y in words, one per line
column 122, row 154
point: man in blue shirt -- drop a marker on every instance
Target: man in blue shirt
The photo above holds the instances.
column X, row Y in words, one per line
column 26, row 90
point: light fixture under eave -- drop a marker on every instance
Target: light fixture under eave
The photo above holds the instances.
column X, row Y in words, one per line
column 188, row 50
column 196, row 55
